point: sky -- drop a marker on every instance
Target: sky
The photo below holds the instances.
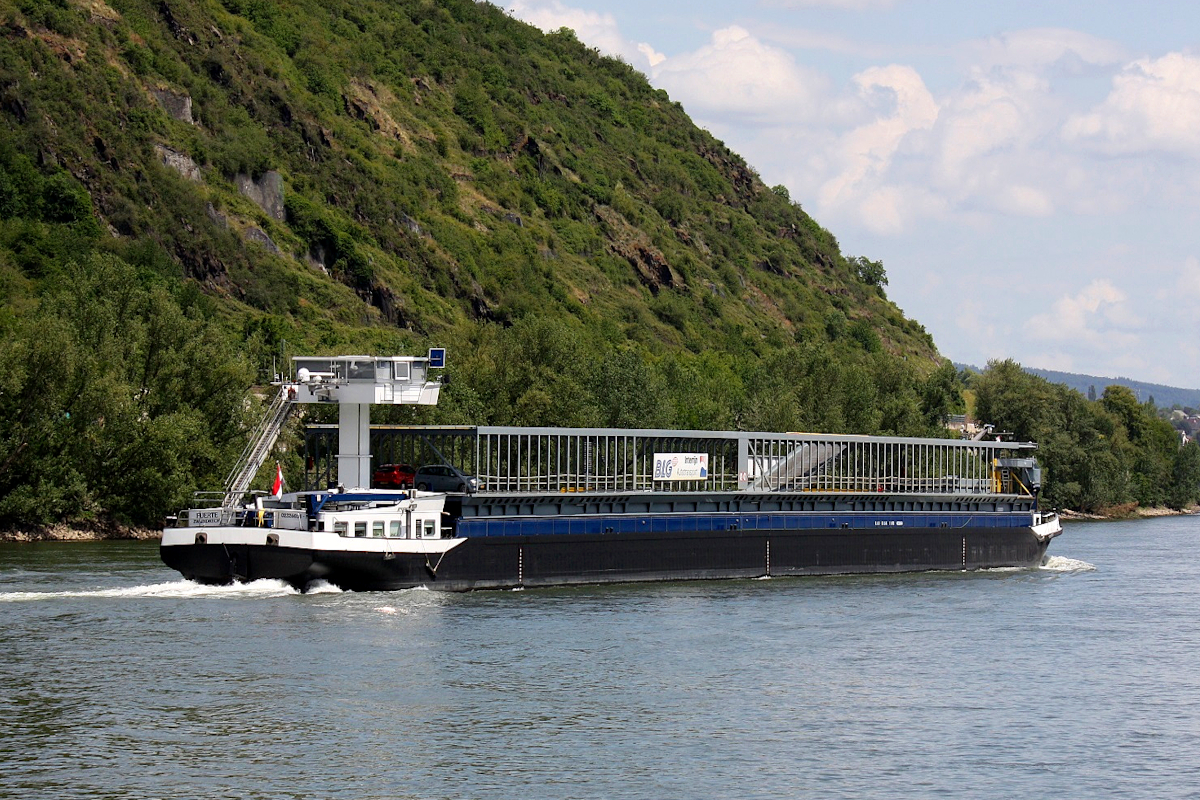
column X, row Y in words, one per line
column 1027, row 172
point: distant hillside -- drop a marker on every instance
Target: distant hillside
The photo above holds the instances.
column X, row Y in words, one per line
column 1164, row 396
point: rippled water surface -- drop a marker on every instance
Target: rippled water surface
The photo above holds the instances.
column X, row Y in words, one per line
column 1079, row 679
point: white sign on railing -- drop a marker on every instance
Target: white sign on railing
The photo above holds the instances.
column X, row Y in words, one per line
column 199, row 517
column 681, row 466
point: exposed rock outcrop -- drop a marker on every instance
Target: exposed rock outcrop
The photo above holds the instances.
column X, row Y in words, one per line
column 368, row 103
column 258, row 235
column 266, row 192
column 635, row 247
column 216, row 216
column 317, row 258
column 180, row 162
column 179, row 106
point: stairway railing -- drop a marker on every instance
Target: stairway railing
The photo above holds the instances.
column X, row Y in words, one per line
column 258, row 448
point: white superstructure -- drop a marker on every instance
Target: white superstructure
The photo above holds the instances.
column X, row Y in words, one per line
column 356, row 383
column 350, row 522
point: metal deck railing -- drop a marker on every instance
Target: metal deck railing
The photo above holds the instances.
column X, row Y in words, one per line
column 570, row 460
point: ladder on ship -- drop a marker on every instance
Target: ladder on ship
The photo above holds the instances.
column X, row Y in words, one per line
column 259, row 447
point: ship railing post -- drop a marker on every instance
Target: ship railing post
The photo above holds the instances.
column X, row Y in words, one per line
column 743, row 462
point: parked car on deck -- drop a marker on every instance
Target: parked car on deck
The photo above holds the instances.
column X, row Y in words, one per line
column 393, row 476
column 444, row 478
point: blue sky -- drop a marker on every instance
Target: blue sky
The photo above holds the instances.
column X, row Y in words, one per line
column 1029, row 173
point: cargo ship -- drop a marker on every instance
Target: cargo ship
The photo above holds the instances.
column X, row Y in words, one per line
column 514, row 507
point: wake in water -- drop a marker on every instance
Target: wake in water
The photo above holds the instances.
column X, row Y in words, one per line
column 180, row 589
column 1064, row 564
column 391, row 610
column 322, row 587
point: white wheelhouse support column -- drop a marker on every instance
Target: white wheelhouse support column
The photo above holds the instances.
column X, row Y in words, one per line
column 354, row 445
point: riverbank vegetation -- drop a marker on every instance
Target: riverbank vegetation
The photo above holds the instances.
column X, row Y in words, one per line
column 1101, row 456
column 193, row 191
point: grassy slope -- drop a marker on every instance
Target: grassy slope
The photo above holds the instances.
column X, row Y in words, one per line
column 446, row 163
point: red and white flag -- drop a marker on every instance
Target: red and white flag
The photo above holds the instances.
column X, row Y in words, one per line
column 277, row 487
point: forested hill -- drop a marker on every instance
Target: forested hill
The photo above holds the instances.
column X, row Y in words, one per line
column 190, row 189
column 1093, row 386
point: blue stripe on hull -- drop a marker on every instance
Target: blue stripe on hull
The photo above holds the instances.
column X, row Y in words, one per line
column 703, row 523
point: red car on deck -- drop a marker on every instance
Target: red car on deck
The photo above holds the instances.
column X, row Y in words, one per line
column 393, row 476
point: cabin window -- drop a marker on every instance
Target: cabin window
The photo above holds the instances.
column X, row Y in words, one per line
column 360, row 529
column 339, row 528
column 383, row 370
column 377, row 527
column 429, row 534
column 394, row 529
column 417, row 529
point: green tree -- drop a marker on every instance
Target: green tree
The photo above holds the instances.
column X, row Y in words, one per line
column 118, row 402
column 869, row 272
column 1185, row 475
column 629, row 392
column 941, row 395
column 1098, row 454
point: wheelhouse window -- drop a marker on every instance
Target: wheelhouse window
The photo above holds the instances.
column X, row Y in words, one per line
column 361, row 370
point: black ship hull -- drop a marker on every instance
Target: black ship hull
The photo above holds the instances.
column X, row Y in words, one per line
column 502, row 562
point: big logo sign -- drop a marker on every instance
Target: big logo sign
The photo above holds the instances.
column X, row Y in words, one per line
column 680, row 466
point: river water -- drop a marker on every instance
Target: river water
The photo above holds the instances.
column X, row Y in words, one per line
column 1077, row 680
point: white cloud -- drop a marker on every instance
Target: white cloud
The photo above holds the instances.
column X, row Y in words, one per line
column 806, row 39
column 985, row 116
column 893, row 209
column 653, row 57
column 1024, row 201
column 1189, row 279
column 1097, row 315
column 863, row 157
column 1154, row 106
column 849, row 5
column 989, row 146
column 737, row 76
column 596, row 30
column 1041, row 47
